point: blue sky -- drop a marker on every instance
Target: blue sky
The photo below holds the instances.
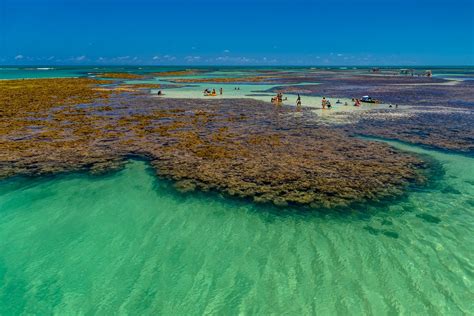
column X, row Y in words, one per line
column 258, row 32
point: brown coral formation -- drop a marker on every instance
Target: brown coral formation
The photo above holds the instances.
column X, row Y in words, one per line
column 186, row 72
column 241, row 147
column 120, row 75
column 224, row 80
column 35, row 95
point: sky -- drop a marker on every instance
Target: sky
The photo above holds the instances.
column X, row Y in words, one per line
column 231, row 32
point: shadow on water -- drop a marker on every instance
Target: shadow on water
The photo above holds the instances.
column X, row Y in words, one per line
column 358, row 211
column 22, row 182
column 362, row 212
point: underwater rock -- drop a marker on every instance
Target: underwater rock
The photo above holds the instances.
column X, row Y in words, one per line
column 450, row 190
column 390, row 234
column 185, row 186
column 429, row 218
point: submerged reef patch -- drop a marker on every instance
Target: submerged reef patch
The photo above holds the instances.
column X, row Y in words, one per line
column 448, row 129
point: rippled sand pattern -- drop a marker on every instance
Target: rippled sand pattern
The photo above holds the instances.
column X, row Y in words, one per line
column 128, row 243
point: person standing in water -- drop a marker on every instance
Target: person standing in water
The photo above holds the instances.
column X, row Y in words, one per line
column 323, row 102
column 298, row 100
column 220, row 91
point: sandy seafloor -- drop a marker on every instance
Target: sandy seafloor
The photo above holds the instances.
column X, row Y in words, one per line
column 129, row 243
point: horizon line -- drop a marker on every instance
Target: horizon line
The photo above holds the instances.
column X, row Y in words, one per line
column 233, row 65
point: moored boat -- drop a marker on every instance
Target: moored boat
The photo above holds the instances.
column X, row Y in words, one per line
column 368, row 99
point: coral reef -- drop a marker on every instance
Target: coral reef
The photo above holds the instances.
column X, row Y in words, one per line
column 244, row 148
column 223, row 80
column 186, row 72
column 119, row 75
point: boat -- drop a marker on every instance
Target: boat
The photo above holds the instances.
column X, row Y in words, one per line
column 367, row 99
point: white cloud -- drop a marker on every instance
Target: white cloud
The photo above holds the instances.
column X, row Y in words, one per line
column 235, row 60
column 226, row 51
column 156, row 57
column 169, row 57
column 81, row 58
column 268, row 60
column 192, row 58
column 19, row 57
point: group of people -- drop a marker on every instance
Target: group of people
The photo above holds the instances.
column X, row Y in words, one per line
column 278, row 98
column 208, row 92
column 326, row 103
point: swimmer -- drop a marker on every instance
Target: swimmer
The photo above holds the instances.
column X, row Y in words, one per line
column 298, row 101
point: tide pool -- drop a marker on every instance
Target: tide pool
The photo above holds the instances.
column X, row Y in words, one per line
column 128, row 243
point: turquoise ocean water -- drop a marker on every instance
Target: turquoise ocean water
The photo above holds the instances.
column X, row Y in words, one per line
column 11, row 72
column 128, row 243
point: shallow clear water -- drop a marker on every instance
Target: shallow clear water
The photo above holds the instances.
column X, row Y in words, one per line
column 256, row 92
column 128, row 243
